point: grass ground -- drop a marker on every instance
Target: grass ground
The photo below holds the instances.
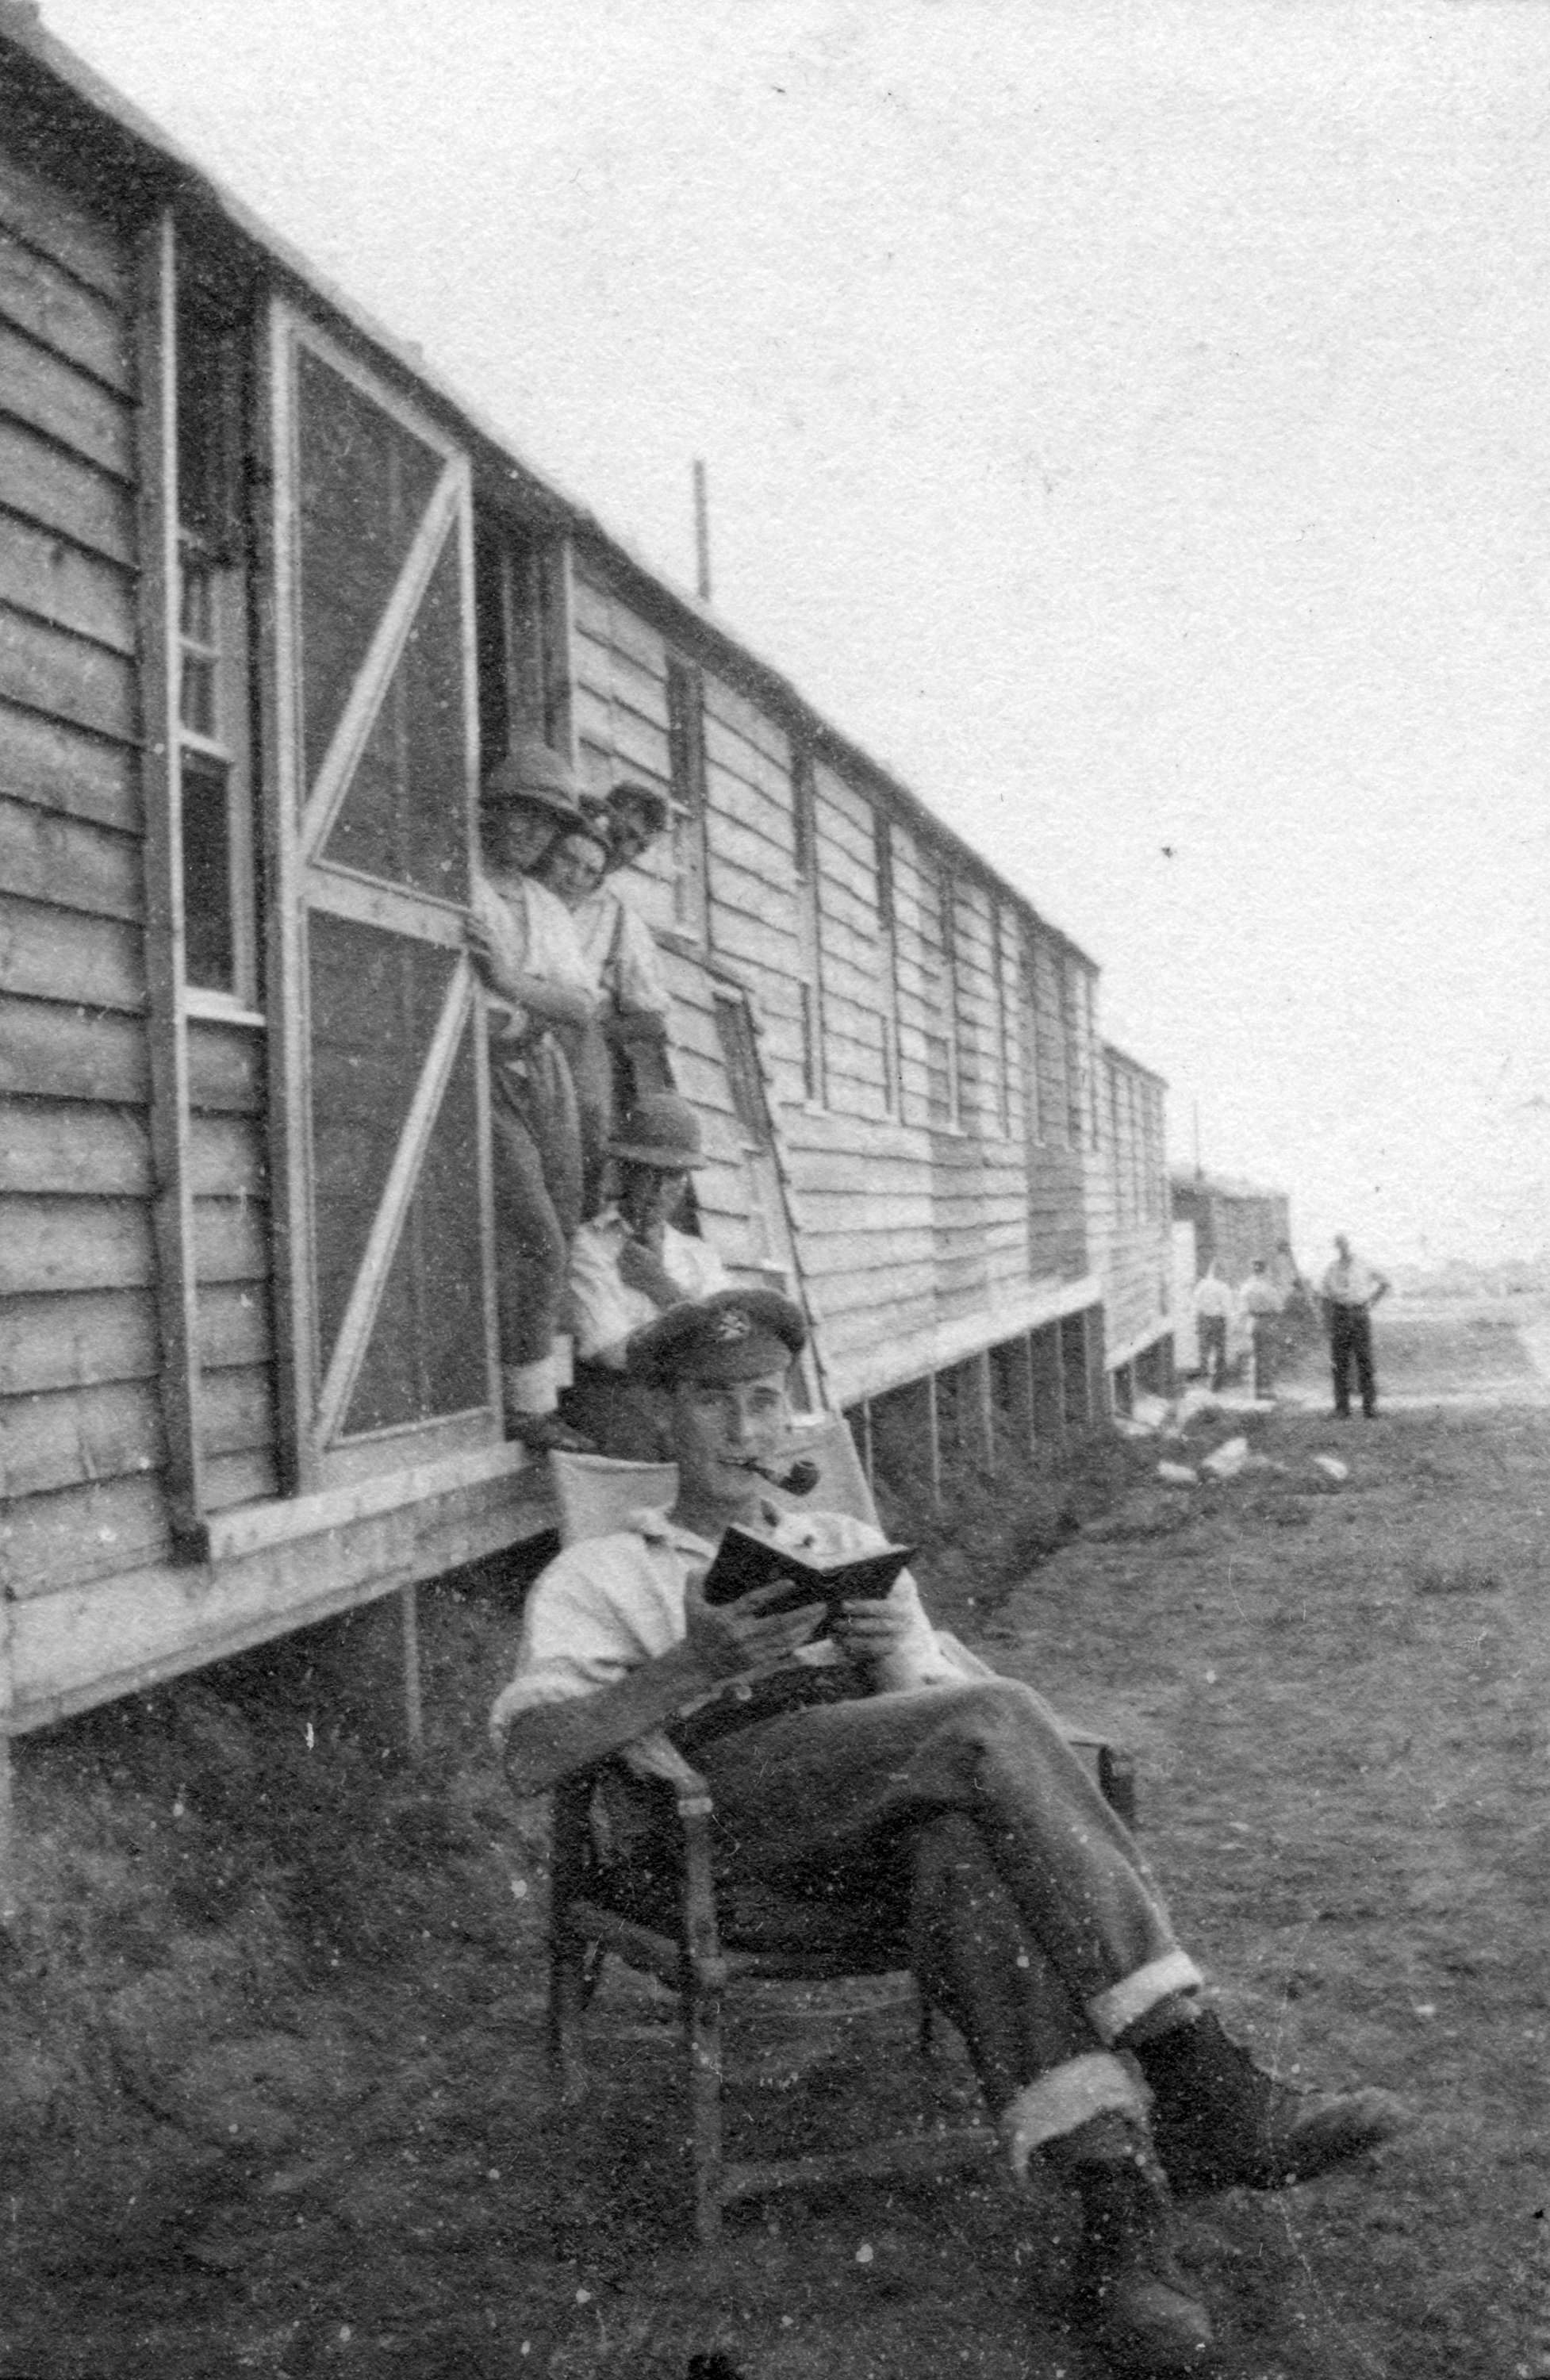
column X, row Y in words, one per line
column 274, row 2089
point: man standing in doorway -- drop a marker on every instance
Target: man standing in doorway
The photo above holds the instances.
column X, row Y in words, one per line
column 1350, row 1289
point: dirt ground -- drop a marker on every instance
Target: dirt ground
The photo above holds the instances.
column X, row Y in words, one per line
column 257, row 2125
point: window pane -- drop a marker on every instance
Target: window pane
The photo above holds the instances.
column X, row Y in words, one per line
column 197, row 695
column 405, row 815
column 197, row 609
column 365, row 482
column 209, row 954
column 375, row 1000
column 426, row 1354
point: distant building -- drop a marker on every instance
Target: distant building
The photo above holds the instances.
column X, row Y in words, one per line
column 1234, row 1223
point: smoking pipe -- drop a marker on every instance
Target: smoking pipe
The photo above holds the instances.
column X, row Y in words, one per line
column 800, row 1480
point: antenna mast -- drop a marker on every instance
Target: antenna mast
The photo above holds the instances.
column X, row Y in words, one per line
column 702, row 534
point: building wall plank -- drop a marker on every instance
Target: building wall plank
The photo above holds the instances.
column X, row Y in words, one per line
column 69, row 862
column 64, row 492
column 75, row 1150
column 89, row 1338
column 52, row 670
column 58, row 768
column 71, row 1053
column 61, row 313
column 56, row 397
column 42, row 572
column 58, row 225
column 58, row 954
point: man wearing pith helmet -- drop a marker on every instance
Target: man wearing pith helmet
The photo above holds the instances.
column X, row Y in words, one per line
column 630, row 1263
column 869, row 1768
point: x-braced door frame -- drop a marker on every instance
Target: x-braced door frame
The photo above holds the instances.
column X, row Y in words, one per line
column 341, row 883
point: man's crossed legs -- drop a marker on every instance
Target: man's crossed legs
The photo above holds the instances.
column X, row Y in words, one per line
column 1034, row 1926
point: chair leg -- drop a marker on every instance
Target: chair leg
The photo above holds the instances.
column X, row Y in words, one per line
column 702, row 2032
column 570, row 1989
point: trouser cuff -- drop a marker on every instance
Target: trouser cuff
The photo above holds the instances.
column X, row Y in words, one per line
column 529, row 1388
column 1114, row 2011
column 1066, row 2096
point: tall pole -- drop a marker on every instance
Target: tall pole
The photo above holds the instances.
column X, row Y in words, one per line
column 702, row 534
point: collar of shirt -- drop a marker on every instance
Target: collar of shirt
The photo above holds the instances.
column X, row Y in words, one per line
column 659, row 1528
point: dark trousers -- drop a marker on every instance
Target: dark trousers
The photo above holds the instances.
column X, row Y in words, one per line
column 537, row 1150
column 1265, row 1330
column 1213, row 1347
column 1350, row 1341
column 962, row 1811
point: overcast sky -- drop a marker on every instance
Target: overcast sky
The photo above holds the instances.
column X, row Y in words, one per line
column 1131, row 423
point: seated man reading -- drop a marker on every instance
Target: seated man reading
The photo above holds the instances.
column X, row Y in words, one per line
column 863, row 1766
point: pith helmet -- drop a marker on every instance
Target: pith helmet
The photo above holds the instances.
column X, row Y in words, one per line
column 661, row 1129
column 532, row 771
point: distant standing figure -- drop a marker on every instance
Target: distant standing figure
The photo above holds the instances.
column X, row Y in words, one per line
column 628, row 1265
column 1259, row 1302
column 1350, row 1289
column 1213, row 1311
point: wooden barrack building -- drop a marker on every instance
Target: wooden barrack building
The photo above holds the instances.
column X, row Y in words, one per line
column 270, row 596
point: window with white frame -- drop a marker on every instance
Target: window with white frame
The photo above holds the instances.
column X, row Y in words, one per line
column 214, row 724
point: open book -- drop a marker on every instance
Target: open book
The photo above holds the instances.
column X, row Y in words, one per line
column 743, row 1561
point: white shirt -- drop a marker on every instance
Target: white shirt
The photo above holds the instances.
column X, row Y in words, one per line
column 619, row 948
column 531, row 933
column 1259, row 1295
column 1352, row 1283
column 604, row 1309
column 1212, row 1296
column 605, row 1607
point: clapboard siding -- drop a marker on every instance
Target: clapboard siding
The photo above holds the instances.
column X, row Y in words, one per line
column 51, row 670
column 42, row 572
column 50, row 394
column 52, row 953
column 48, row 1145
column 60, row 769
column 68, row 1242
column 49, row 219
column 72, row 1053
column 69, row 862
column 91, row 1337
column 64, row 492
column 62, row 313
column 80, row 1415
column 50, row 1542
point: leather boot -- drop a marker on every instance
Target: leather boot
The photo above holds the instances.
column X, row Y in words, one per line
column 1219, row 2120
column 1134, row 2300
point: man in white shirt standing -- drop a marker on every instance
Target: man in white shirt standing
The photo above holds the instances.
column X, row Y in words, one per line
column 628, row 1265
column 1350, row 1289
column 1259, row 1302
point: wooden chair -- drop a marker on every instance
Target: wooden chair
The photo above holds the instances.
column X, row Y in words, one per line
column 664, row 1920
